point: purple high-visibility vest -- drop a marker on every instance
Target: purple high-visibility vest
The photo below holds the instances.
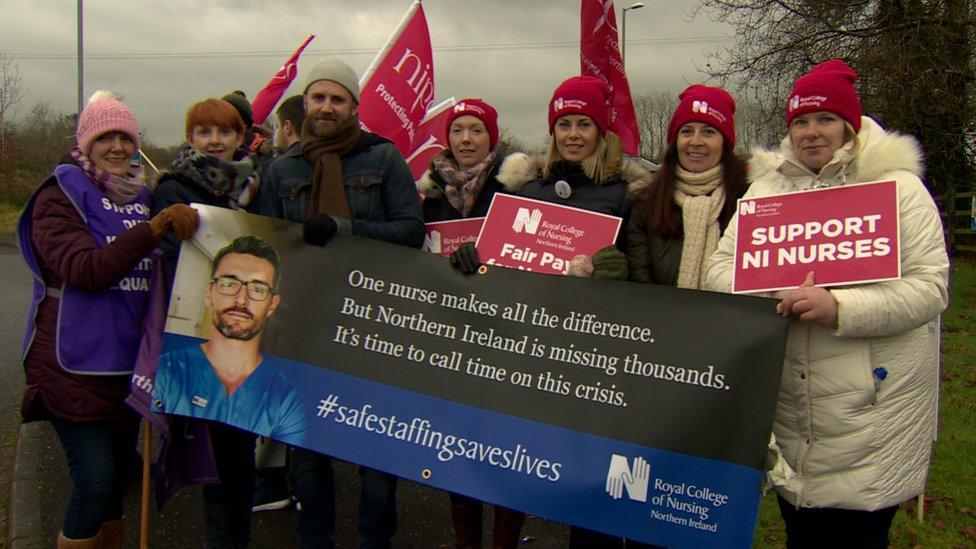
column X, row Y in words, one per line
column 98, row 333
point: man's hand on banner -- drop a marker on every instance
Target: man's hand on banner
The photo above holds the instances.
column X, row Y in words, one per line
column 465, row 258
column 318, row 229
column 808, row 303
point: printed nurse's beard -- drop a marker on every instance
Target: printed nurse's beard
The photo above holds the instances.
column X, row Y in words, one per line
column 236, row 329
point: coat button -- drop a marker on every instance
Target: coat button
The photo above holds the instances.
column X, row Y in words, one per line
column 803, row 375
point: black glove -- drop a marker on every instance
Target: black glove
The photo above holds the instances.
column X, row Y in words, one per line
column 319, row 229
column 465, row 258
column 610, row 263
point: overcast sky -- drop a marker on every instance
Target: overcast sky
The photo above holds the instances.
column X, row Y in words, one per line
column 164, row 56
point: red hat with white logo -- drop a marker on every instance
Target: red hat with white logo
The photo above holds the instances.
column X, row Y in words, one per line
column 708, row 105
column 827, row 87
column 478, row 109
column 581, row 95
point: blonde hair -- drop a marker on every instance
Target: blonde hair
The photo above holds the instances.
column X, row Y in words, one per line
column 600, row 166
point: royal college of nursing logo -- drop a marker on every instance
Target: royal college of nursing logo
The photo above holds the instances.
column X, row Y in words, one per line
column 464, row 107
column 557, row 105
column 794, row 102
column 432, row 242
column 700, row 106
column 526, row 221
column 747, row 207
column 624, row 477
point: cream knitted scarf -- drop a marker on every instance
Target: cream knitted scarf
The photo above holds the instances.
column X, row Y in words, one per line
column 701, row 198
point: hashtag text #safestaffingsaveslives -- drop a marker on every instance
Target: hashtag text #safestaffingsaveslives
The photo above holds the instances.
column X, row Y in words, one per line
column 419, row 431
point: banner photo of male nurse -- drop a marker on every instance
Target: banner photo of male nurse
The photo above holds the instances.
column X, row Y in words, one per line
column 638, row 410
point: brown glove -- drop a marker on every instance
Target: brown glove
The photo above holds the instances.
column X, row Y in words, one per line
column 178, row 219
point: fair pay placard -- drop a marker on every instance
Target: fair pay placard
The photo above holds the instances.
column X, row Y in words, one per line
column 845, row 235
column 538, row 236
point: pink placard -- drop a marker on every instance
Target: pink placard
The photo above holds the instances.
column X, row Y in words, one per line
column 538, row 236
column 445, row 237
column 845, row 235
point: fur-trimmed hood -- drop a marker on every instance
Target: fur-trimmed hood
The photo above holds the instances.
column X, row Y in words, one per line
column 636, row 176
column 515, row 170
column 875, row 153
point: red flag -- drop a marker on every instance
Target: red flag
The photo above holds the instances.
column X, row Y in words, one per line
column 600, row 57
column 430, row 138
column 271, row 93
column 398, row 87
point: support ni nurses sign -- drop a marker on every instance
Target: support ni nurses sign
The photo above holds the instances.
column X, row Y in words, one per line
column 845, row 235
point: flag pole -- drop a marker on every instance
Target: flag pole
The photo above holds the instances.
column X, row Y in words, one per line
column 146, row 461
column 150, row 162
column 389, row 43
column 436, row 109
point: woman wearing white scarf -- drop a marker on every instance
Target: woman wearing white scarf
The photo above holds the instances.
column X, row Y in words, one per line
column 677, row 220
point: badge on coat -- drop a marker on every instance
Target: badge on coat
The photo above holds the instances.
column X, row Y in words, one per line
column 563, row 190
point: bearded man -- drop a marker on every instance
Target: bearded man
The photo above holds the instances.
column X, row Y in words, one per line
column 346, row 180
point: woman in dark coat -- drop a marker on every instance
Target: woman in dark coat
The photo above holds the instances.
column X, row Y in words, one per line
column 677, row 220
column 459, row 184
column 213, row 168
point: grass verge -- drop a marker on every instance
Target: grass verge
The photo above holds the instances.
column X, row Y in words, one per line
column 9, row 213
column 950, row 498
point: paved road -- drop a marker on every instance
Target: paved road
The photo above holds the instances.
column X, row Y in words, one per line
column 424, row 513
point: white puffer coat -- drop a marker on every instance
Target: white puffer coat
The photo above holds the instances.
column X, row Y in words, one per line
column 848, row 439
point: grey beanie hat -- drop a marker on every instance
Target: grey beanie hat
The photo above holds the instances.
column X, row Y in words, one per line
column 336, row 71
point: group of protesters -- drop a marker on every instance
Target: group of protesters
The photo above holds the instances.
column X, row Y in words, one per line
column 849, row 444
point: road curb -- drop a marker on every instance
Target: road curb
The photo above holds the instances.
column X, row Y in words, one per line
column 25, row 530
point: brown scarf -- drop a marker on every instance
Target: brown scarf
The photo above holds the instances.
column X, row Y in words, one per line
column 325, row 154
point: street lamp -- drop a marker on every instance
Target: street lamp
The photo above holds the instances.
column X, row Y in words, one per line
column 623, row 33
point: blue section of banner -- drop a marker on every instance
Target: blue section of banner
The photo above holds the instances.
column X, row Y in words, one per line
column 568, row 476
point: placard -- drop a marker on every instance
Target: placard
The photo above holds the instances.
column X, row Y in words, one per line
column 845, row 235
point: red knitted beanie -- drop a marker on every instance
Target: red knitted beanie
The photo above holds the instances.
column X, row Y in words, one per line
column 708, row 105
column 828, row 86
column 581, row 95
column 480, row 110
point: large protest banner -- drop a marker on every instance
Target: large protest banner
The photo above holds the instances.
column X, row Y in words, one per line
column 638, row 410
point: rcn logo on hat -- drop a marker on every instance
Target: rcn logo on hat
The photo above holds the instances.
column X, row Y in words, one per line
column 622, row 476
column 559, row 104
column 701, row 107
column 794, row 102
column 465, row 107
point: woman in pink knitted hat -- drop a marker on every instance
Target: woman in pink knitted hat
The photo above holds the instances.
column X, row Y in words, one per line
column 856, row 413
column 677, row 220
column 86, row 235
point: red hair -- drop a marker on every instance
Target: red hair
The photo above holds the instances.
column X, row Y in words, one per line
column 214, row 112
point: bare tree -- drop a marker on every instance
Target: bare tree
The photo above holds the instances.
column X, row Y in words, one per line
column 11, row 93
column 915, row 59
column 654, row 110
